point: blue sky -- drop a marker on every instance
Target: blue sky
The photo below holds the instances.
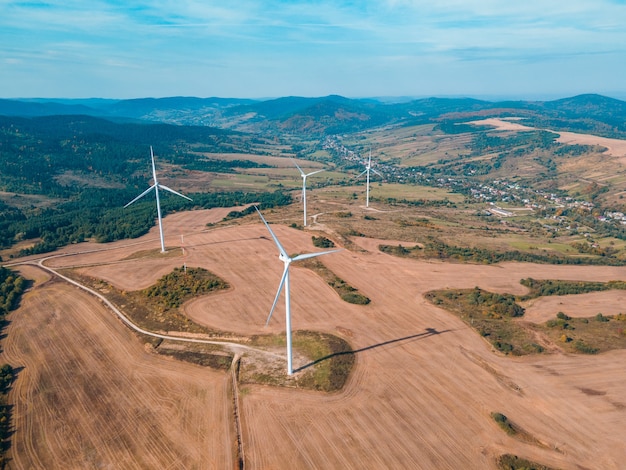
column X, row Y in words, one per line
column 532, row 49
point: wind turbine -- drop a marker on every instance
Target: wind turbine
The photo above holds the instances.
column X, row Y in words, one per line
column 284, row 282
column 156, row 186
column 304, row 177
column 368, row 167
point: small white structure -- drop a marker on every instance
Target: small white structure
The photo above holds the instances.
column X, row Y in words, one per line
column 304, row 177
column 368, row 167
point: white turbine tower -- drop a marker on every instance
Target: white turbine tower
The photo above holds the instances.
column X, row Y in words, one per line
column 368, row 167
column 304, row 177
column 156, row 186
column 284, row 282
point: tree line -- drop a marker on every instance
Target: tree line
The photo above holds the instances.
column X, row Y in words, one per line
column 36, row 154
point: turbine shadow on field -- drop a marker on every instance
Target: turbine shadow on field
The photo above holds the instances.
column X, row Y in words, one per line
column 429, row 332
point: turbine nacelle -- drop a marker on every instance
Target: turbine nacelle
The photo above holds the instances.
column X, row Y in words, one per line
column 304, row 177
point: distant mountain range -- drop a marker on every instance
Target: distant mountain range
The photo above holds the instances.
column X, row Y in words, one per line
column 333, row 114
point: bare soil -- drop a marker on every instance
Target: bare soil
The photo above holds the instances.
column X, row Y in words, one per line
column 420, row 395
column 89, row 395
column 581, row 305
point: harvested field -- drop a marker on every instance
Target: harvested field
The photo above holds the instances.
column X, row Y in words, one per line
column 580, row 305
column 421, row 393
column 88, row 395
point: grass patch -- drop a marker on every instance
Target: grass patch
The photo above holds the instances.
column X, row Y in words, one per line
column 504, row 423
column 205, row 359
column 513, row 462
column 491, row 316
column 346, row 291
column 153, row 313
column 592, row 335
column 331, row 356
column 173, row 289
column 331, row 361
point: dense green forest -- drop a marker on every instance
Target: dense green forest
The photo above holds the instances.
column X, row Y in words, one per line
column 11, row 288
column 111, row 161
column 437, row 249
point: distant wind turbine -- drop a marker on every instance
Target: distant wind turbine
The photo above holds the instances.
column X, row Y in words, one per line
column 284, row 282
column 304, row 177
column 156, row 186
column 368, row 167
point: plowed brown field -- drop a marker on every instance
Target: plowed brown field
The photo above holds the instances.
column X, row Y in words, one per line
column 420, row 395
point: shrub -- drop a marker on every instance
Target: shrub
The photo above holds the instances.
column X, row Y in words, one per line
column 602, row 318
column 504, row 423
column 513, row 462
column 562, row 316
column 322, row 242
column 355, row 298
column 584, row 348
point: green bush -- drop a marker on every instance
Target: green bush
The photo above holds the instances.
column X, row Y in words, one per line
column 562, row 316
column 602, row 318
column 355, row 298
column 322, row 242
column 585, row 348
column 504, row 423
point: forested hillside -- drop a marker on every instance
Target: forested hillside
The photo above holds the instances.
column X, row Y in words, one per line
column 84, row 169
column 336, row 114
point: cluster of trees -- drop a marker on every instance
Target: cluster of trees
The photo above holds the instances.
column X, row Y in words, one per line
column 494, row 305
column 541, row 287
column 11, row 289
column 490, row 315
column 484, row 143
column 173, row 289
column 437, row 249
column 322, row 242
column 220, row 166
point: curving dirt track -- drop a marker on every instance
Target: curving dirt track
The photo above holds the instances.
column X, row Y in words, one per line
column 420, row 395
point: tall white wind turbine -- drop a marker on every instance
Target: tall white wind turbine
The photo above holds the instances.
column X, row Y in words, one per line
column 284, row 282
column 304, row 177
column 156, row 186
column 368, row 167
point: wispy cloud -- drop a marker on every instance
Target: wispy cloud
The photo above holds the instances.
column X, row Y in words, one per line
column 250, row 46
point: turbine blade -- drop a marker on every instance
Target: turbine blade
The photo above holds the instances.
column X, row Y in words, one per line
column 173, row 192
column 141, row 195
column 280, row 247
column 314, row 172
column 362, row 173
column 280, row 288
column 298, row 167
column 313, row 255
column 153, row 167
column 377, row 173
